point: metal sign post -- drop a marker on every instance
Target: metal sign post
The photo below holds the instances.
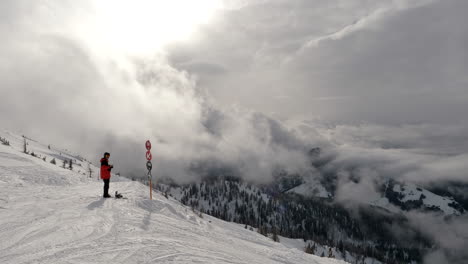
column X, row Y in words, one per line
column 149, row 166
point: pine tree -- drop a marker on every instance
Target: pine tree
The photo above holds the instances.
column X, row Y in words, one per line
column 310, row 249
column 4, row 141
column 90, row 169
column 341, row 247
column 25, row 150
column 275, row 235
column 70, row 164
column 53, row 161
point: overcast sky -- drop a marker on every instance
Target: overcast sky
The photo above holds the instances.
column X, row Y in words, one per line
column 386, row 62
column 249, row 84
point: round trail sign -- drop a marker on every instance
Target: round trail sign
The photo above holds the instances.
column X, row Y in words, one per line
column 148, row 155
column 148, row 145
column 149, row 165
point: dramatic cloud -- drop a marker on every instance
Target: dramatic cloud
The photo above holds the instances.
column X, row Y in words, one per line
column 405, row 65
column 58, row 82
column 61, row 87
column 367, row 21
column 379, row 86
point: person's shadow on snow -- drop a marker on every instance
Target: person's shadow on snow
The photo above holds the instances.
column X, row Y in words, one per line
column 96, row 204
column 146, row 221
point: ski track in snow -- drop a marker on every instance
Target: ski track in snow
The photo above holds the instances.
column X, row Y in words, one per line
column 52, row 215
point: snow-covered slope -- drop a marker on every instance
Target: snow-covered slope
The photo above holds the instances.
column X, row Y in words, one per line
column 49, row 214
column 311, row 188
column 395, row 197
column 409, row 196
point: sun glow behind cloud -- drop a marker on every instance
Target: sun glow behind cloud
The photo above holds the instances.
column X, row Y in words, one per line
column 142, row 26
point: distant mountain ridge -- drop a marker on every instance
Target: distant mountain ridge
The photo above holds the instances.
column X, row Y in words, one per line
column 318, row 221
column 304, row 206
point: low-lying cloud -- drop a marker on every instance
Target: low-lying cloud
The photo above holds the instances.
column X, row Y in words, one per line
column 450, row 236
column 57, row 85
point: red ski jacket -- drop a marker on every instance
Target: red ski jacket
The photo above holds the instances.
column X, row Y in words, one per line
column 105, row 169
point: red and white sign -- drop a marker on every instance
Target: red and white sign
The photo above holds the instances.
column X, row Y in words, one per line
column 148, row 155
column 149, row 166
column 148, row 145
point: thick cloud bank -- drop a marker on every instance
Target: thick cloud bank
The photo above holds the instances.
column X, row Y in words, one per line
column 60, row 84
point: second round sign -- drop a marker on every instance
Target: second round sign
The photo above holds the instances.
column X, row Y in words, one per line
column 148, row 155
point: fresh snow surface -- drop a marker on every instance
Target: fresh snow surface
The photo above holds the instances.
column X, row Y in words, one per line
column 53, row 215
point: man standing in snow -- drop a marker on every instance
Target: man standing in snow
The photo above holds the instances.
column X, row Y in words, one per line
column 106, row 173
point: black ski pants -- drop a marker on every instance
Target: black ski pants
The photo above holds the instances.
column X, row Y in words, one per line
column 106, row 187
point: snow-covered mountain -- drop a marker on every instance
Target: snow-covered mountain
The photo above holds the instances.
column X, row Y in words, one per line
column 52, row 214
column 395, row 197
column 303, row 206
column 411, row 197
column 317, row 223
